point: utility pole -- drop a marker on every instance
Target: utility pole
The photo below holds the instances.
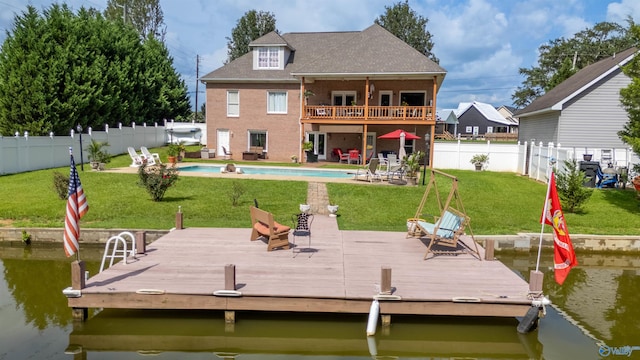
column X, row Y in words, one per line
column 195, row 118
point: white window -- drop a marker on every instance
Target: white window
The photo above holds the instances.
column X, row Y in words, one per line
column 276, row 102
column 268, row 58
column 468, row 129
column 233, row 103
column 489, row 129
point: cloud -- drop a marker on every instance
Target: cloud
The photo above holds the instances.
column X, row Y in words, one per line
column 618, row 11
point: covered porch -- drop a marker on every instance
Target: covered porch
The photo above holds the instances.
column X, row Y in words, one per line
column 348, row 113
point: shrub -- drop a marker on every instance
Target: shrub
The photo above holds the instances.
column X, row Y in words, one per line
column 237, row 190
column 61, row 184
column 570, row 184
column 157, row 179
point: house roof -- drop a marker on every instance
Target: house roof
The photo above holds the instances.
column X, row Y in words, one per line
column 567, row 90
column 270, row 39
column 373, row 52
column 487, row 110
column 448, row 116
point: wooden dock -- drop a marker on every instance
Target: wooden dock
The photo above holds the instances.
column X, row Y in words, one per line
column 341, row 272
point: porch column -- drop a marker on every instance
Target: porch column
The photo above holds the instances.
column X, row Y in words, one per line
column 302, row 111
column 366, row 100
column 433, row 118
column 364, row 144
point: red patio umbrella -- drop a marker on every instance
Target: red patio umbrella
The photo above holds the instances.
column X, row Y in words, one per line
column 402, row 135
column 396, row 135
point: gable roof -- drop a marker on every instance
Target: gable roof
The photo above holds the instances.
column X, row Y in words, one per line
column 487, row 110
column 572, row 87
column 270, row 39
column 373, row 52
column 448, row 116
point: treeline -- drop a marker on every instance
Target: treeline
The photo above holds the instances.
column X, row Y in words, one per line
column 59, row 69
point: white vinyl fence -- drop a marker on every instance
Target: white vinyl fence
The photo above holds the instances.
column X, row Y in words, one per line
column 526, row 159
column 23, row 153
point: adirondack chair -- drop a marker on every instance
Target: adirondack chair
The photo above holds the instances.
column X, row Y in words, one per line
column 445, row 229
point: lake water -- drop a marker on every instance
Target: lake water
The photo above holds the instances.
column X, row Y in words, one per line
column 596, row 311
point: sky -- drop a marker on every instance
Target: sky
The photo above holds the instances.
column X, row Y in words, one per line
column 481, row 43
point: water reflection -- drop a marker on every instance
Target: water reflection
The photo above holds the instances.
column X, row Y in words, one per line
column 598, row 304
column 302, row 335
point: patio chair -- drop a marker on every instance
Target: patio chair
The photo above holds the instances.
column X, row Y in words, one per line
column 342, row 157
column 302, row 227
column 354, row 155
column 227, row 154
column 370, row 172
column 150, row 158
column 136, row 160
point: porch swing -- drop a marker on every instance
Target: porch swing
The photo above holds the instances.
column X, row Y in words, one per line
column 445, row 229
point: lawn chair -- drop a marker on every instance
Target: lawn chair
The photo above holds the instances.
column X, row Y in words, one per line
column 445, row 229
column 227, row 154
column 606, row 178
column 302, row 228
column 136, row 160
column 150, row 158
column 370, row 172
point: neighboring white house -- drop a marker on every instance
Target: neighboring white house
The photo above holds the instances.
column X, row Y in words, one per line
column 583, row 111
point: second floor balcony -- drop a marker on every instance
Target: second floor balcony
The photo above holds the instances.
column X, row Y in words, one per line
column 367, row 114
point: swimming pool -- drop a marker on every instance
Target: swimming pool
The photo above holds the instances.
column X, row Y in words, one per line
column 280, row 171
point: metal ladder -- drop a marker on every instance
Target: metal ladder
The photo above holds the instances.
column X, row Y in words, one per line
column 116, row 247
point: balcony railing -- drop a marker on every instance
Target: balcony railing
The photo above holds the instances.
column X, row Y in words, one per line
column 357, row 112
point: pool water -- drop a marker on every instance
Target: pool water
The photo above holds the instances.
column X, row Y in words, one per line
column 281, row 171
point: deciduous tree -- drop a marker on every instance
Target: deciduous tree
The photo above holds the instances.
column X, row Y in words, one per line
column 630, row 98
column 145, row 16
column 408, row 26
column 561, row 58
column 252, row 25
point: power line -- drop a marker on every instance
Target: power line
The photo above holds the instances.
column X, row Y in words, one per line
column 472, row 90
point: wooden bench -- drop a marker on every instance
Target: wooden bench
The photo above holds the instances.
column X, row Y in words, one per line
column 264, row 226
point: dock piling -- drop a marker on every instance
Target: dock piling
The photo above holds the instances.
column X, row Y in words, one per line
column 535, row 281
column 385, row 281
column 489, row 246
column 141, row 242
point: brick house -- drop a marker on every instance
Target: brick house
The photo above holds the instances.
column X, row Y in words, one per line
column 357, row 85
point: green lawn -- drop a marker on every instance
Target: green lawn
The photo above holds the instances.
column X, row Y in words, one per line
column 498, row 203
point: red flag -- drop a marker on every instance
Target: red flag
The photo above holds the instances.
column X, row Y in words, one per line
column 77, row 206
column 564, row 258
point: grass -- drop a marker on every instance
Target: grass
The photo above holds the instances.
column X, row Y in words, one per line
column 498, row 203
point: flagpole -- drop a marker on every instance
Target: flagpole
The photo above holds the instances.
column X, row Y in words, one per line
column 544, row 215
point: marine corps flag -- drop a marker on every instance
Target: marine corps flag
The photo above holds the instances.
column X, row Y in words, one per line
column 564, row 258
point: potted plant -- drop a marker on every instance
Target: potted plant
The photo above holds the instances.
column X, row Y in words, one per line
column 332, row 208
column 413, row 166
column 103, row 158
column 479, row 160
column 172, row 153
column 307, row 146
column 96, row 153
column 294, row 158
column 304, row 208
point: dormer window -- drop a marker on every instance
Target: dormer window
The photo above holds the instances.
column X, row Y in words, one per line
column 268, row 58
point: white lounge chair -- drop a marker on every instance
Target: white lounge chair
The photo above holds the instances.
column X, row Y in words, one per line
column 151, row 158
column 136, row 160
column 369, row 172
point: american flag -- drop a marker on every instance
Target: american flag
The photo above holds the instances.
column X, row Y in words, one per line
column 77, row 206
